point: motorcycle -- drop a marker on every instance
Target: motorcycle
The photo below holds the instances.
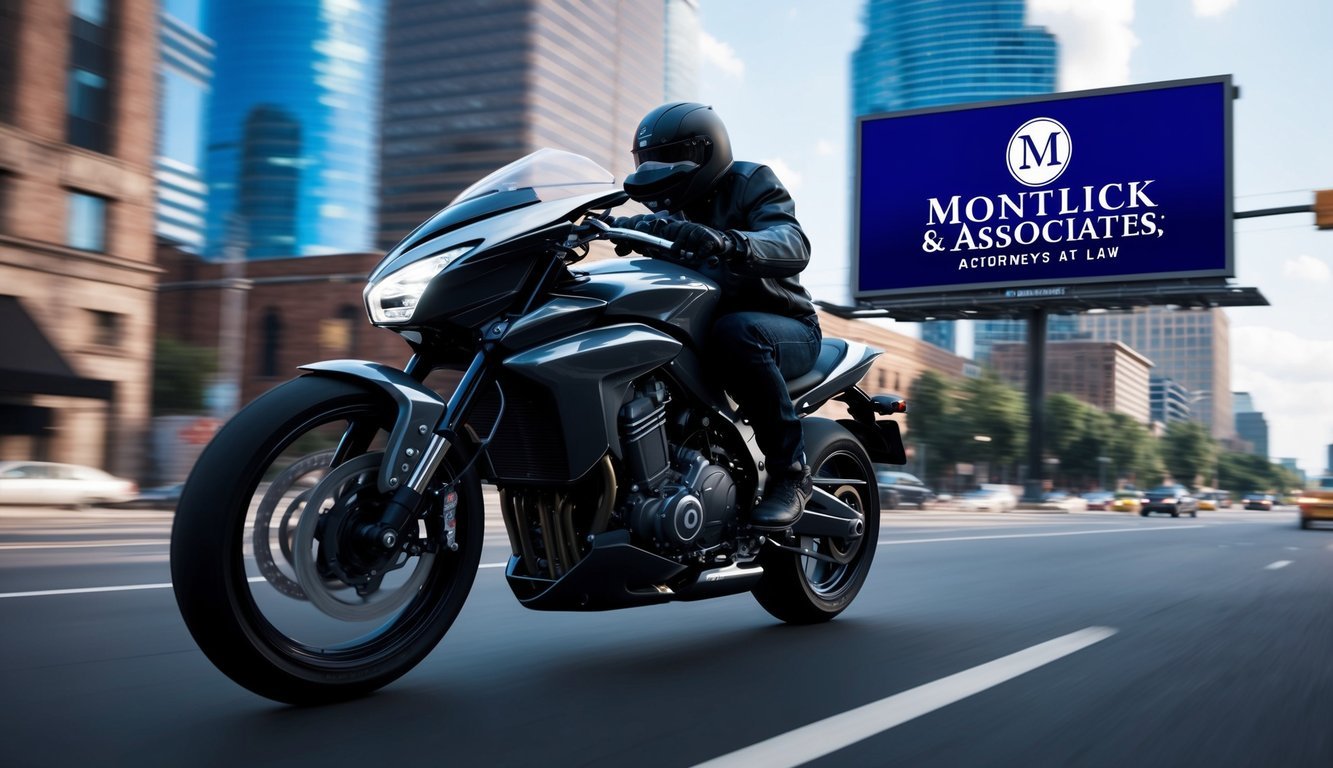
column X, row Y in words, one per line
column 328, row 536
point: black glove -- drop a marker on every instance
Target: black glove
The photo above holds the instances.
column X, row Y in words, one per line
column 696, row 243
column 648, row 223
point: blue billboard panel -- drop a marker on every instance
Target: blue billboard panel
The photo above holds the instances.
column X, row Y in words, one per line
column 1119, row 185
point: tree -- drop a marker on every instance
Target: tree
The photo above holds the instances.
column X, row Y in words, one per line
column 990, row 408
column 932, row 418
column 180, row 374
column 1132, row 451
column 1188, row 452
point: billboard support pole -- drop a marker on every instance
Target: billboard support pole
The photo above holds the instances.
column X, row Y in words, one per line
column 1032, row 486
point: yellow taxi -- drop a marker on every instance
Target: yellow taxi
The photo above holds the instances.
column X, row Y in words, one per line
column 1316, row 503
column 1127, row 501
column 1214, row 500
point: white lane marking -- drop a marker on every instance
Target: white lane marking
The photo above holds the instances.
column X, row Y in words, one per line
column 92, row 590
column 1277, row 565
column 137, row 587
column 831, row 734
column 890, row 542
column 82, row 544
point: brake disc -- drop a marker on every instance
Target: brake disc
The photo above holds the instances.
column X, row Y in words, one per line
column 324, row 499
column 263, row 534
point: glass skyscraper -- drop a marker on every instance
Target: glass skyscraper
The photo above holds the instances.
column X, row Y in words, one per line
column 931, row 53
column 294, row 126
column 682, row 38
column 185, row 74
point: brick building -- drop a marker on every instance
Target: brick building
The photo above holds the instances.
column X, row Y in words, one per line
column 77, row 127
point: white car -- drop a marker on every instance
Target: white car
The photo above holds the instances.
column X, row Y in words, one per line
column 989, row 498
column 43, row 482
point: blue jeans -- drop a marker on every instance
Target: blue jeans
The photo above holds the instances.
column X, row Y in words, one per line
column 755, row 353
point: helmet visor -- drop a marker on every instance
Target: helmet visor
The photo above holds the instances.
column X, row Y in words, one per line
column 695, row 149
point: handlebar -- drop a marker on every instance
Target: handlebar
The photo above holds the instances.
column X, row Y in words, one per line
column 621, row 233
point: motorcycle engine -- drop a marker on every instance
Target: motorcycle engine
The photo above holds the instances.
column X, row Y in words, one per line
column 680, row 500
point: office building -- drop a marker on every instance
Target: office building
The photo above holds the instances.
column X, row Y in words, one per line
column 1168, row 401
column 931, row 53
column 987, row 333
column 1251, row 427
column 469, row 87
column 77, row 118
column 682, row 37
column 1106, row 375
column 1191, row 347
column 185, row 76
column 293, row 126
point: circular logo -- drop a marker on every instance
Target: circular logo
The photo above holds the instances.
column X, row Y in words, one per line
column 1039, row 151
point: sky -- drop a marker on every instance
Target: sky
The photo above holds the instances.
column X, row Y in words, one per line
column 780, row 80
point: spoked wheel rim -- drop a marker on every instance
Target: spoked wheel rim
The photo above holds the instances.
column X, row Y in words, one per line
column 825, row 579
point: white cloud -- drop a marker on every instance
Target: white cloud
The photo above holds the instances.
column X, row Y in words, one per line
column 790, row 177
column 1096, row 39
column 1306, row 269
column 1291, row 381
column 722, row 56
column 824, row 148
column 1206, row 8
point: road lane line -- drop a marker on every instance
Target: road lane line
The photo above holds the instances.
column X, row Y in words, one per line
column 11, row 546
column 831, row 734
column 890, row 542
column 1277, row 565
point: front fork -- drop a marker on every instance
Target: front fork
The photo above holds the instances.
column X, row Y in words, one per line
column 410, row 473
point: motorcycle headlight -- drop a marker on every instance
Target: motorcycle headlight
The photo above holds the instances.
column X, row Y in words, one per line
column 393, row 298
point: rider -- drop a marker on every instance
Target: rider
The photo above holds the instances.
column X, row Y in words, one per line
column 766, row 329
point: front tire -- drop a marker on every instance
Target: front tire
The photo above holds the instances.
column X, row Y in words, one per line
column 235, row 567
column 803, row 590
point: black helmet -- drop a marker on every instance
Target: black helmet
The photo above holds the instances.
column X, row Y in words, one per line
column 681, row 150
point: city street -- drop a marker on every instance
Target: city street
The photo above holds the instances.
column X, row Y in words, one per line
column 1091, row 639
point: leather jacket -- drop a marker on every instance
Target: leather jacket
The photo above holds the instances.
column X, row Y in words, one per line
column 750, row 204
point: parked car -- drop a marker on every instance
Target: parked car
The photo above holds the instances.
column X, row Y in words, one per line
column 1127, row 501
column 898, row 489
column 1215, row 500
column 44, row 482
column 1099, row 500
column 1175, row 500
column 1316, row 503
column 989, row 498
column 1260, row 501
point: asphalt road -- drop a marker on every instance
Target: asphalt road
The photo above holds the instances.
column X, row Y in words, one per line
column 1090, row 639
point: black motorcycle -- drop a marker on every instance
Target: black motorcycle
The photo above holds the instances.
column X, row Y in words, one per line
column 328, row 536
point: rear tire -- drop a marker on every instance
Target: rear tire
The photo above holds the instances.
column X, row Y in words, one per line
column 261, row 630
column 803, row 590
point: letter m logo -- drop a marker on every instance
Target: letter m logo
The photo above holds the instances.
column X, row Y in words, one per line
column 1039, row 151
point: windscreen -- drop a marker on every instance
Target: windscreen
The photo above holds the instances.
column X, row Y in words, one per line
column 552, row 174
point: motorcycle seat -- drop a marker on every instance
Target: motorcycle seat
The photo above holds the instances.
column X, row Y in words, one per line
column 831, row 352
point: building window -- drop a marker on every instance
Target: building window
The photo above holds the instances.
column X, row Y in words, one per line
column 86, row 225
column 108, row 328
column 88, row 101
column 271, row 350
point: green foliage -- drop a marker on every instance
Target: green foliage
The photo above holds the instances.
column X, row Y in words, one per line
column 1189, row 452
column 932, row 417
column 1243, row 472
column 990, row 408
column 180, row 373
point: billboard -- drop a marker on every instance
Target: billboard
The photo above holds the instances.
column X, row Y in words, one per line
column 1108, row 186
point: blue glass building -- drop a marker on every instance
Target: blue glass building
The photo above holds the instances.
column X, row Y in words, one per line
column 293, row 127
column 185, row 74
column 931, row 53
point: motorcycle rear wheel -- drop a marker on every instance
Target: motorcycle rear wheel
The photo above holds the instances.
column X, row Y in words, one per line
column 804, row 590
column 246, row 606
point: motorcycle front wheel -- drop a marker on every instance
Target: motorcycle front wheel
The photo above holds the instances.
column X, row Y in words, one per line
column 270, row 566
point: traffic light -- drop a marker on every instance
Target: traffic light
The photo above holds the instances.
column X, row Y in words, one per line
column 1323, row 209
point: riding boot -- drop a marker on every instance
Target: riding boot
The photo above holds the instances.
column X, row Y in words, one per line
column 784, row 498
